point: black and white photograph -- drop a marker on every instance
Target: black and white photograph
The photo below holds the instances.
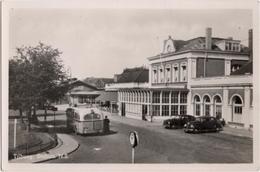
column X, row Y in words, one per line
column 123, row 85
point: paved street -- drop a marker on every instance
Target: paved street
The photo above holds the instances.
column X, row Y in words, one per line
column 158, row 145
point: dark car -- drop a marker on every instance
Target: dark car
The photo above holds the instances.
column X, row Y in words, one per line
column 202, row 124
column 177, row 121
column 53, row 108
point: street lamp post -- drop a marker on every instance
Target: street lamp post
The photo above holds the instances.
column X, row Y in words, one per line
column 54, row 116
column 54, row 122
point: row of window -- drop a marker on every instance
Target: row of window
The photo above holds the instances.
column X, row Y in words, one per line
column 133, row 108
column 175, row 97
column 169, row 73
column 217, row 106
column 230, row 46
column 134, row 96
column 166, row 111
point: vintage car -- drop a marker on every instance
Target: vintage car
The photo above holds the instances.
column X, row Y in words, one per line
column 203, row 124
column 177, row 121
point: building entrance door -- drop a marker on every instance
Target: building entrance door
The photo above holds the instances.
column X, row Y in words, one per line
column 122, row 109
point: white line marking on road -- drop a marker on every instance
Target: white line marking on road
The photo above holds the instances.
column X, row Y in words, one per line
column 97, row 149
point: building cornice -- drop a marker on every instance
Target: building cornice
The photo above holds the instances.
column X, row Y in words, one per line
column 162, row 56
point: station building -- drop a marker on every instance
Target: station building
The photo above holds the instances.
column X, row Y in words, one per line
column 204, row 76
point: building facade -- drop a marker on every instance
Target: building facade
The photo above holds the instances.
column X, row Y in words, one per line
column 204, row 76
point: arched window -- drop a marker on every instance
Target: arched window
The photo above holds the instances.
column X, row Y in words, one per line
column 161, row 74
column 217, row 107
column 197, row 105
column 168, row 73
column 206, row 102
column 183, row 72
column 237, row 105
column 237, row 109
column 175, row 73
column 154, row 75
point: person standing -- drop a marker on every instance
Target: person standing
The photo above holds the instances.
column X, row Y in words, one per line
column 106, row 125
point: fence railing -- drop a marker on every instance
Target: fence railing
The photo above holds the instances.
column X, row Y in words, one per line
column 30, row 148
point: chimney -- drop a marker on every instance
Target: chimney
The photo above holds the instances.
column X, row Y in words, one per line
column 250, row 44
column 208, row 41
column 115, row 78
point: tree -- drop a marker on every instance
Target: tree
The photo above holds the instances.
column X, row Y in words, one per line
column 36, row 76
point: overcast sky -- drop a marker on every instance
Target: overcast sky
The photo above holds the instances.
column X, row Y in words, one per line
column 102, row 42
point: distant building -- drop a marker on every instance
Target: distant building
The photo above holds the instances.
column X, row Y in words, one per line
column 99, row 83
column 82, row 93
column 204, row 76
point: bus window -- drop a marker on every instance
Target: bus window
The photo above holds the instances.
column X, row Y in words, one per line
column 96, row 116
column 88, row 116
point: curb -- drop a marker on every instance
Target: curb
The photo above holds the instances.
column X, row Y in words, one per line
column 50, row 154
column 68, row 153
column 237, row 133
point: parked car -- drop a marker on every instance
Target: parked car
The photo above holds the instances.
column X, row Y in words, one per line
column 177, row 121
column 50, row 107
column 201, row 124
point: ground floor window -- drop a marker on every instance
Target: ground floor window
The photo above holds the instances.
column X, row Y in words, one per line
column 156, row 110
column 183, row 109
column 237, row 104
column 197, row 105
column 197, row 109
column 238, row 109
column 206, row 101
column 207, row 110
column 165, row 110
column 174, row 110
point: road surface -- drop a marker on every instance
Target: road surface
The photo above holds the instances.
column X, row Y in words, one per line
column 159, row 145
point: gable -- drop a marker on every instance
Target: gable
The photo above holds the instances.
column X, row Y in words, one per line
column 169, row 46
column 81, row 86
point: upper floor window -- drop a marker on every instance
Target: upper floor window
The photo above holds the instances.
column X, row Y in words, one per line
column 183, row 72
column 168, row 73
column 235, row 67
column 175, row 74
column 232, row 46
column 161, row 75
column 154, row 76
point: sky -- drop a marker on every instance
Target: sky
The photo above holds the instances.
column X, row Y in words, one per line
column 102, row 42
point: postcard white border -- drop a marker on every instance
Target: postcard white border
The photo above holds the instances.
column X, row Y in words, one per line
column 114, row 4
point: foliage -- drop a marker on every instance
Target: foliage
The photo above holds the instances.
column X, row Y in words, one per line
column 36, row 76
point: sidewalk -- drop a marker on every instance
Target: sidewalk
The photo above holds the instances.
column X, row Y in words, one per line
column 66, row 145
column 237, row 132
column 158, row 124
